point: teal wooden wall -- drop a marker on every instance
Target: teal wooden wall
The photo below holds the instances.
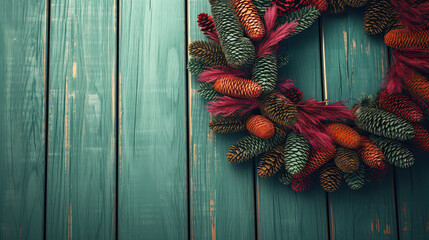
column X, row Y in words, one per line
column 104, row 135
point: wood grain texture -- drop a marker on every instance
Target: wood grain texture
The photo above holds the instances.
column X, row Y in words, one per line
column 152, row 154
column 413, row 198
column 82, row 119
column 222, row 194
column 356, row 64
column 22, row 119
column 282, row 212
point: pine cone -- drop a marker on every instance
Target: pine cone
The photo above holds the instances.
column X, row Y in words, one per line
column 336, row 6
column 249, row 18
column 418, row 86
column 330, row 178
column 302, row 184
column 305, row 17
column 403, row 39
column 238, row 50
column 297, row 149
column 293, row 93
column 382, row 123
column 400, row 105
column 421, row 139
column 279, row 109
column 206, row 23
column 316, row 159
column 262, row 5
column 195, row 66
column 209, row 53
column 356, row 180
column 271, row 162
column 344, row 135
column 229, row 124
column 380, row 17
column 251, row 146
column 371, row 155
column 287, row 6
column 238, row 87
column 282, row 59
column 322, row 5
column 284, row 177
column 265, row 72
column 395, row 152
column 346, row 160
column 207, row 91
column 260, row 126
column 356, row 3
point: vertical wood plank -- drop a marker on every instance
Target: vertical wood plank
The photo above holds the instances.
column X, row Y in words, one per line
column 413, row 198
column 356, row 64
column 283, row 213
column 153, row 142
column 23, row 36
column 222, row 194
column 82, row 120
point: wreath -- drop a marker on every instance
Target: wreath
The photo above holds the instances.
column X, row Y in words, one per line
column 301, row 140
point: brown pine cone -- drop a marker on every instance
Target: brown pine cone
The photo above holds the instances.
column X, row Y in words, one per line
column 344, row 135
column 271, row 162
column 238, row 87
column 346, row 160
column 418, row 86
column 380, row 17
column 331, row 178
column 249, row 18
column 403, row 38
column 336, row 6
column 279, row 109
column 316, row 159
column 371, row 155
column 260, row 126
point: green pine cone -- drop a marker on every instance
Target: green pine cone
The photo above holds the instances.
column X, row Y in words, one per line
column 265, row 73
column 230, row 124
column 356, row 180
column 207, row 91
column 282, row 59
column 297, row 149
column 305, row 17
column 396, row 153
column 284, row 177
column 196, row 66
column 356, row 3
column 210, row 53
column 238, row 50
column 279, row 109
column 251, row 146
column 261, row 6
column 382, row 123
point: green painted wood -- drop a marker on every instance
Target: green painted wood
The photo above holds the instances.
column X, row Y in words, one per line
column 282, row 212
column 222, row 202
column 413, row 198
column 152, row 137
column 22, row 119
column 82, row 118
column 355, row 64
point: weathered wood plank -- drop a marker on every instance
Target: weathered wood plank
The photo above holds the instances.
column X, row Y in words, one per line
column 356, row 64
column 283, row 213
column 413, row 198
column 82, row 119
column 222, row 195
column 22, row 120
column 152, row 138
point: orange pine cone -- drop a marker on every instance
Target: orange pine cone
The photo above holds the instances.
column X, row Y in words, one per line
column 344, row 135
column 421, row 138
column 316, row 160
column 238, row 87
column 371, row 155
column 322, row 5
column 402, row 38
column 260, row 126
column 249, row 18
column 418, row 86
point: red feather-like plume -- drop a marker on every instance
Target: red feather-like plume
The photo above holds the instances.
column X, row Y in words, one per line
column 414, row 14
column 274, row 37
column 312, row 115
column 212, row 74
column 302, row 184
column 226, row 106
column 270, row 18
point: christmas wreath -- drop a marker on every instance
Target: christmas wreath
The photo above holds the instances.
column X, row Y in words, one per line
column 299, row 140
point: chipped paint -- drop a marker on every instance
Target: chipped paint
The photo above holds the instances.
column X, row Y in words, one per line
column 70, row 224
column 74, row 70
column 388, row 229
column 213, row 215
column 345, row 45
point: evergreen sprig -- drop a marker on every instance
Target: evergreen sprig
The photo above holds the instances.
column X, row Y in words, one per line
column 305, row 17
